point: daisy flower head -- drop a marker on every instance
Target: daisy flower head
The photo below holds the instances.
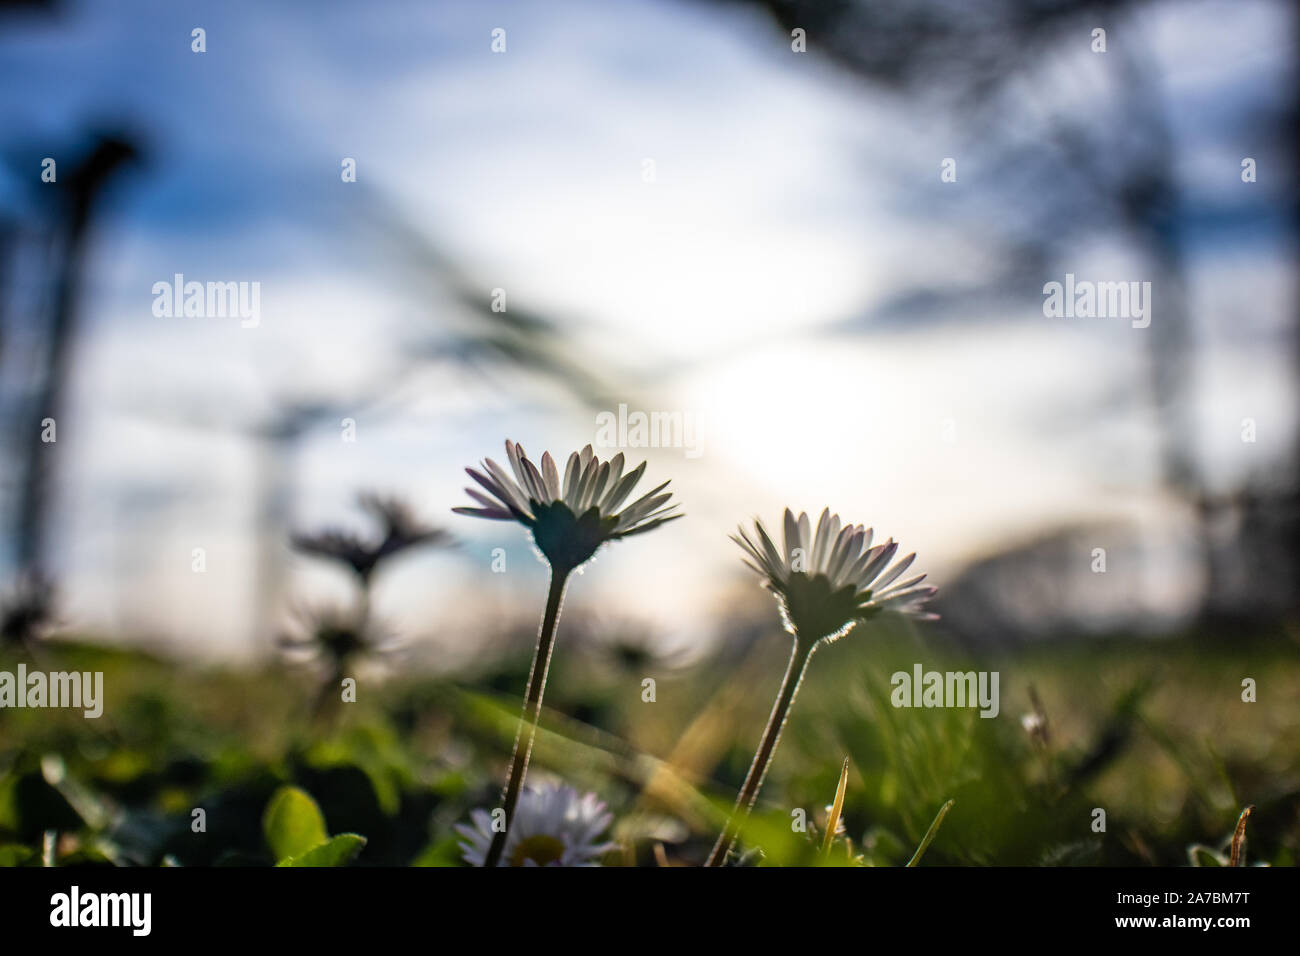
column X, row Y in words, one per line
column 27, row 611
column 570, row 517
column 554, row 825
column 828, row 580
column 334, row 636
column 401, row 530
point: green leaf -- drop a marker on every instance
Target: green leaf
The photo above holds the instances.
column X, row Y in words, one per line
column 15, row 854
column 337, row 851
column 293, row 823
column 1201, row 855
column 444, row 852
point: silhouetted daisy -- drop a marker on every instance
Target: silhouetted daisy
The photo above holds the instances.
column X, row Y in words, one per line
column 400, row 530
column 332, row 636
column 570, row 519
column 553, row 826
column 623, row 646
column 336, row 644
column 27, row 611
column 826, row 582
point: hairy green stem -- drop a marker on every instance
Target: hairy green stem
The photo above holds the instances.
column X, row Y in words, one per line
column 799, row 658
column 532, row 710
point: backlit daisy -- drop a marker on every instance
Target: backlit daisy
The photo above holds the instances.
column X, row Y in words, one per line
column 826, row 582
column 570, row 517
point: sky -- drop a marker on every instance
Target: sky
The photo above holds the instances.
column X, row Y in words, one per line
column 740, row 284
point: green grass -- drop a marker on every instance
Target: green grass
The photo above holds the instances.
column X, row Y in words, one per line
column 1154, row 732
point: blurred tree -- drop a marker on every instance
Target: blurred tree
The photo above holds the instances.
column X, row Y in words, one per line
column 1007, row 74
column 77, row 198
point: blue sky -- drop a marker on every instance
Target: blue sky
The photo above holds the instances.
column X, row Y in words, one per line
column 780, row 211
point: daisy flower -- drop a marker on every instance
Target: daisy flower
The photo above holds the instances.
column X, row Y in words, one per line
column 334, row 643
column 401, row 530
column 27, row 612
column 829, row 580
column 553, row 826
column 570, row 519
column 826, row 582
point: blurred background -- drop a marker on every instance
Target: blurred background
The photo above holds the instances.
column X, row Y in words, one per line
column 732, row 211
column 684, row 215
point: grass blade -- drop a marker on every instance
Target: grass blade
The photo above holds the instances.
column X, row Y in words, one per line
column 930, row 834
column 833, row 820
column 1238, row 857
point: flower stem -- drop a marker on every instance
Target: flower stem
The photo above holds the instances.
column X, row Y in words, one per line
column 532, row 709
column 799, row 658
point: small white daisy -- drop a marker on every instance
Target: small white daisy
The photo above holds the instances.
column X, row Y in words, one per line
column 827, row 581
column 572, row 517
column 553, row 825
column 569, row 520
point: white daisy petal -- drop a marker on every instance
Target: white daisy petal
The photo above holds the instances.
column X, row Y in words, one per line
column 518, row 496
column 551, row 475
column 494, row 514
column 753, row 549
column 895, row 572
column 598, row 485
column 847, row 547
column 618, row 494
column 769, row 548
column 571, row 472
column 792, row 539
column 805, row 532
column 909, row 583
column 514, row 454
column 616, row 469
column 884, row 554
column 819, row 540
